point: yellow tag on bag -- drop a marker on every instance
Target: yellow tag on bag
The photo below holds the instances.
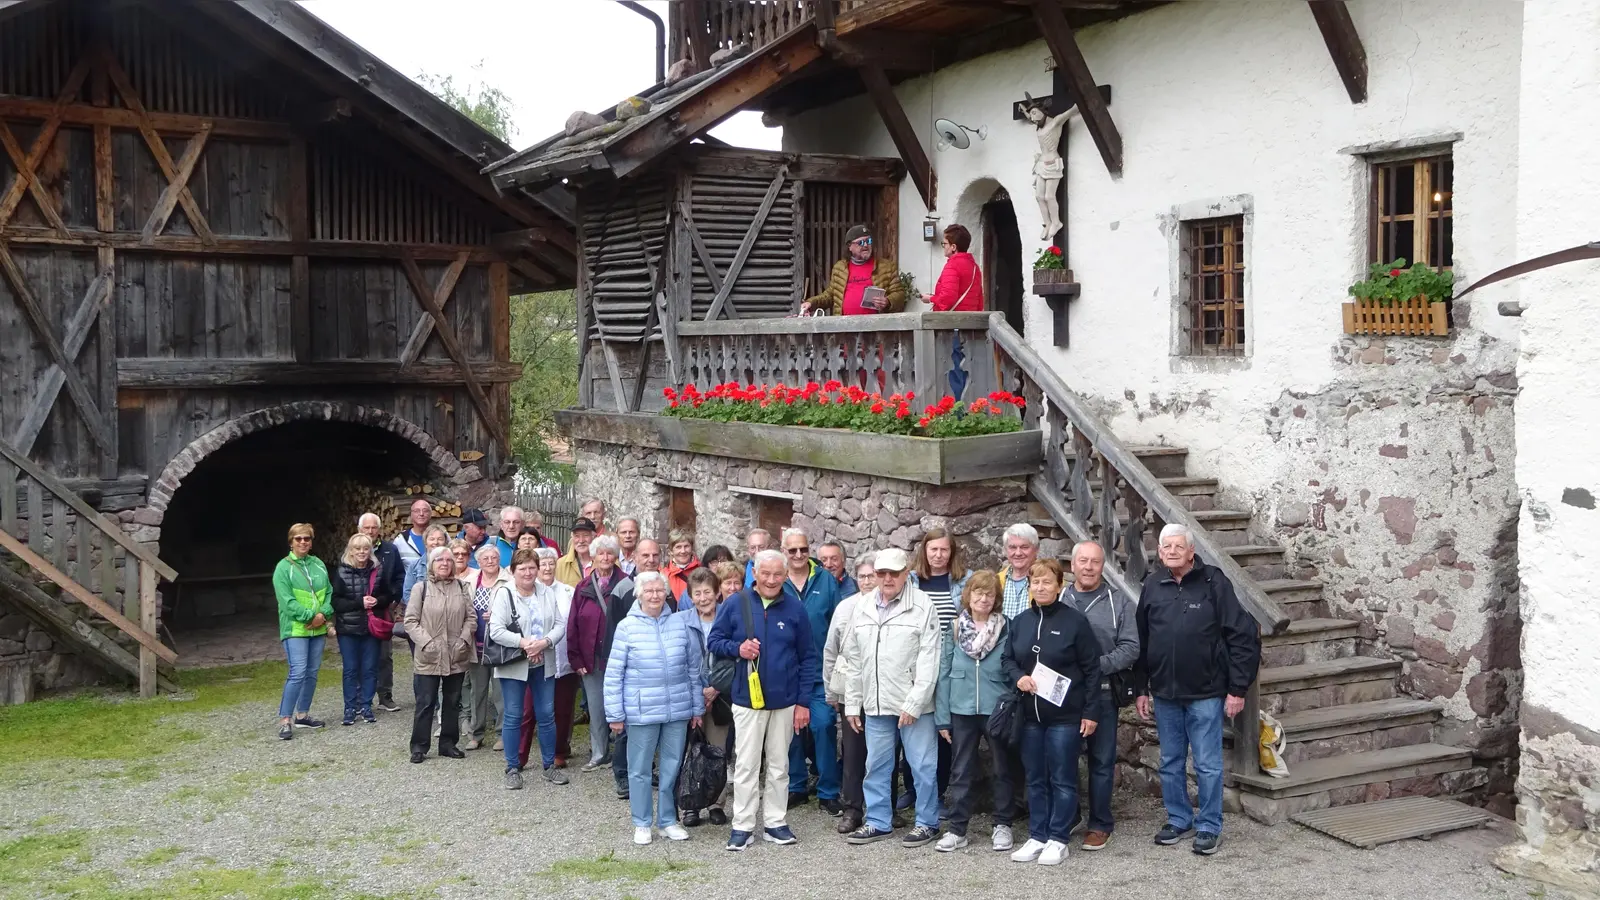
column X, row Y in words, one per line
column 757, row 701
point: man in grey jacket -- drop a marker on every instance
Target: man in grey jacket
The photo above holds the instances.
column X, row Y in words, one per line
column 1112, row 616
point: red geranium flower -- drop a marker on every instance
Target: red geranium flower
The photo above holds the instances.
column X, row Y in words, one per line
column 1394, row 272
column 823, row 400
column 1055, row 251
column 672, row 405
column 877, row 408
column 924, row 422
column 833, row 385
column 902, row 411
column 910, row 396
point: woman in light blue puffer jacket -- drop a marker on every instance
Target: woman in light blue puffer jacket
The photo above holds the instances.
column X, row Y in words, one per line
column 654, row 687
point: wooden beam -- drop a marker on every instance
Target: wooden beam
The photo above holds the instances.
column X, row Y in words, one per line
column 149, row 614
column 1063, row 45
column 452, row 345
column 698, row 40
column 177, row 124
column 158, row 147
column 26, row 164
column 179, row 183
column 900, row 130
column 441, row 296
column 49, row 386
column 81, row 239
column 731, row 279
column 1344, row 45
column 152, row 374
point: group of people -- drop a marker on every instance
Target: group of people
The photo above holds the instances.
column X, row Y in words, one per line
column 865, row 282
column 818, row 679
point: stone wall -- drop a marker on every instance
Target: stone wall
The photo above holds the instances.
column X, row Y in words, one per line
column 30, row 662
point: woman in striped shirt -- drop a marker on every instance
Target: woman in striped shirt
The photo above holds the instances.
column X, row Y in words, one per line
column 940, row 572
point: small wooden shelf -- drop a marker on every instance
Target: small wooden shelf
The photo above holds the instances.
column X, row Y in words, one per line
column 1058, row 289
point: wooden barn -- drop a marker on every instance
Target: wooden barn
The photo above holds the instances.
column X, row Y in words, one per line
column 249, row 275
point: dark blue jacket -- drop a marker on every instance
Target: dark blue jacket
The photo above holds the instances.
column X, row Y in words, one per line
column 821, row 597
column 790, row 663
column 848, row 587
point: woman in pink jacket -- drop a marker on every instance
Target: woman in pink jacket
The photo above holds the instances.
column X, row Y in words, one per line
column 960, row 287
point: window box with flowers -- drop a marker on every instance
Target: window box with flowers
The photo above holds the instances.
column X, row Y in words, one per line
column 833, row 427
column 1050, row 272
column 1395, row 300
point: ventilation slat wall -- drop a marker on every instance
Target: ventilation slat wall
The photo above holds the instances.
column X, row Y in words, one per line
column 354, row 200
column 619, row 229
column 831, row 210
column 724, row 207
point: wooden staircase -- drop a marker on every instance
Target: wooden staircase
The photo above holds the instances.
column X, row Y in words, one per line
column 79, row 575
column 1352, row 735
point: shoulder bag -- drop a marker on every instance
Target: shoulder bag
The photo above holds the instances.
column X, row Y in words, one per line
column 725, row 668
column 378, row 626
column 497, row 654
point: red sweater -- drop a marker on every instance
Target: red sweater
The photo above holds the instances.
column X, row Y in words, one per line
column 960, row 276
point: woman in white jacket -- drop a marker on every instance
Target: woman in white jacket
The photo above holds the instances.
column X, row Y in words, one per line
column 522, row 615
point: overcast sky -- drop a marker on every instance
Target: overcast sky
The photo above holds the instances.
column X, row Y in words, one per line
column 549, row 56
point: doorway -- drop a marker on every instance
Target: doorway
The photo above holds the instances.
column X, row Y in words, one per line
column 1002, row 259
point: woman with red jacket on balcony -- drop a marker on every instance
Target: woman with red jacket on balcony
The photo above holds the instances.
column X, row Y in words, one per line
column 960, row 287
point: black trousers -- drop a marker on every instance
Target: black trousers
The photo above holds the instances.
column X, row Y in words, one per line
column 854, row 767
column 426, row 689
column 386, row 670
column 964, row 734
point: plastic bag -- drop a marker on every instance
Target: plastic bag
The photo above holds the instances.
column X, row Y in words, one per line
column 1272, row 742
column 704, row 773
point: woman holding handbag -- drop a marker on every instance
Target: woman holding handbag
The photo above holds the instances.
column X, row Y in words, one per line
column 525, row 623
column 440, row 622
column 960, row 286
column 357, row 599
column 704, row 597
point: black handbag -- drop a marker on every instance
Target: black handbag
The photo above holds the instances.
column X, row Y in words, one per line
column 1005, row 723
column 495, row 654
column 724, row 669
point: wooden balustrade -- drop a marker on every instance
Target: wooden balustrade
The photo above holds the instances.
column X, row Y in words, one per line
column 49, row 527
column 930, row 354
column 729, row 23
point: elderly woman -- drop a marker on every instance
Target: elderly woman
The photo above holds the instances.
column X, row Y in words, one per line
column 567, row 680
column 971, row 679
column 525, row 616
column 300, row 582
column 730, row 578
column 440, row 621
column 434, row 536
column 654, row 689
column 601, row 599
column 680, row 562
column 1052, row 634
column 480, row 695
column 960, row 286
column 357, row 591
column 700, row 612
column 461, row 552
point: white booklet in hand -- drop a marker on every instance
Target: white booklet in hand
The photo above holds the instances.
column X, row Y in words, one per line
column 1050, row 685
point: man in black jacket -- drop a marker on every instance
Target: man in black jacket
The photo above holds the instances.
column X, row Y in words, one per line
column 1199, row 651
column 392, row 577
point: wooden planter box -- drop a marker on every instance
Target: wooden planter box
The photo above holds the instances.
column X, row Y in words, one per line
column 1052, row 276
column 919, row 459
column 1409, row 317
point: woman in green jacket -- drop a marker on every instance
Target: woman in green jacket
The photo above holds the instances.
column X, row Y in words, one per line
column 304, row 609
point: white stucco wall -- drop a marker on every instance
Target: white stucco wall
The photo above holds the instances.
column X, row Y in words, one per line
column 1386, row 466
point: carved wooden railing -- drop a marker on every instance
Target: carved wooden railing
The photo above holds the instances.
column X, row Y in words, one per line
column 49, row 527
column 931, row 353
column 729, row 23
column 1091, row 478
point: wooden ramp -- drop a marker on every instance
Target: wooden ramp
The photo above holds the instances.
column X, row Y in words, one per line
column 1366, row 825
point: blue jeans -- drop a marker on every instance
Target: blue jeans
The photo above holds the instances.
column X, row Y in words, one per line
column 1050, row 754
column 825, row 738
column 1184, row 726
column 1101, row 750
column 643, row 742
column 514, row 693
column 305, row 660
column 922, row 753
column 360, row 655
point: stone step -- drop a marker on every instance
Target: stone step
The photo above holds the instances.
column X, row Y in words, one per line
column 1301, row 599
column 1310, row 640
column 1357, row 728
column 1163, row 462
column 1351, row 769
column 1355, row 679
column 1193, row 493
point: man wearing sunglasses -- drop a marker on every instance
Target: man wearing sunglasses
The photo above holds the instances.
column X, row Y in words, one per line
column 847, row 293
column 819, row 594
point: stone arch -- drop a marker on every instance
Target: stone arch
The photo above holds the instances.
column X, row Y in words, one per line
column 179, row 467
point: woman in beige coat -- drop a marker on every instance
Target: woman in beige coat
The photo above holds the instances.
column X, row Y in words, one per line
column 443, row 629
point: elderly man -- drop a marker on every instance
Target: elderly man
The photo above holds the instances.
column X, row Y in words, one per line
column 628, row 540
column 1199, row 651
column 765, row 627
column 757, row 540
column 890, row 662
column 594, row 509
column 475, row 531
column 852, row 277
column 391, row 578
column 831, row 555
column 409, row 542
column 819, row 593
column 854, row 764
column 647, row 556
column 571, row 568
column 511, row 522
column 1021, row 550
column 1113, row 618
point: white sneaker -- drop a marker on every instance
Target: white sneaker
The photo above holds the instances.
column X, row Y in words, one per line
column 676, row 832
column 951, row 842
column 641, row 836
column 1002, row 838
column 1029, row 851
column 1054, row 854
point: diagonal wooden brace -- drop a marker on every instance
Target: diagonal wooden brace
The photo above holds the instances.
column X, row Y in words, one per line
column 452, row 345
column 179, row 183
column 158, row 147
column 27, row 179
column 441, row 296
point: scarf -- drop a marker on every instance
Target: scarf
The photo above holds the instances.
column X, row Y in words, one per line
column 976, row 641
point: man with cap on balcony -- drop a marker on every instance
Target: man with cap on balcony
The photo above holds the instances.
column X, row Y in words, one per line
column 861, row 269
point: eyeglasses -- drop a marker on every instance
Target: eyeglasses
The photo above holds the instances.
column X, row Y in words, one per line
column 862, row 242
column 302, row 538
column 792, row 551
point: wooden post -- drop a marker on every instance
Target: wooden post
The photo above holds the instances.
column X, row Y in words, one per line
column 299, row 266
column 149, row 609
column 1058, row 34
column 925, row 366
column 1344, row 45
column 901, row 131
column 1247, row 733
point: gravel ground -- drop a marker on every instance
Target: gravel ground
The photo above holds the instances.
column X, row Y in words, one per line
column 345, row 807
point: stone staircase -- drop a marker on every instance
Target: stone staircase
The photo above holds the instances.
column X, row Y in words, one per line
column 1352, row 735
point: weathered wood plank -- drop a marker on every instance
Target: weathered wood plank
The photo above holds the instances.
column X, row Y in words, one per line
column 1059, row 36
column 66, row 623
column 55, row 376
column 105, row 329
column 149, row 612
column 179, row 183
column 158, row 147
column 480, row 400
column 440, row 296
column 149, row 373
column 737, row 265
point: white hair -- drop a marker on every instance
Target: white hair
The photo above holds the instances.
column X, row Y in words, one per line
column 362, row 519
column 437, row 554
column 769, row 556
column 1023, row 531
column 761, row 531
column 488, row 548
column 1081, row 544
column 644, row 579
column 604, row 542
column 546, row 553
column 795, row 532
column 867, row 559
column 512, row 509
column 1173, row 529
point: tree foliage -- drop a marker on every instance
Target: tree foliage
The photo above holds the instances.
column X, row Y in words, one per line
column 488, row 106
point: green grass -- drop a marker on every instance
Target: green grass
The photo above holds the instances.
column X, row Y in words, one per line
column 103, row 727
column 609, row 868
column 158, row 857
